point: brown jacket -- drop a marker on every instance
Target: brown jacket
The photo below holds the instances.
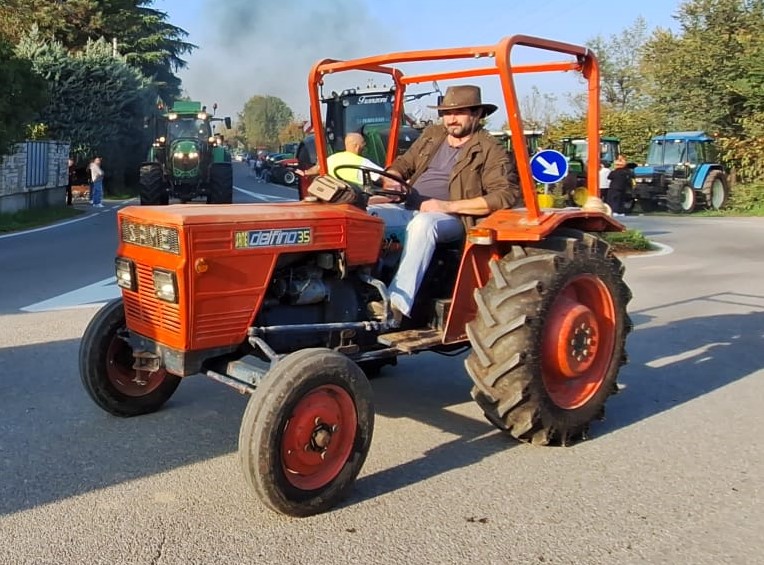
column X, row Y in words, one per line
column 482, row 168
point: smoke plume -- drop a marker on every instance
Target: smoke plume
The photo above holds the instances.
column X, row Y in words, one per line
column 267, row 47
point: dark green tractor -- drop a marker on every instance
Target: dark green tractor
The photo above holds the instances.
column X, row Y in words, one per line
column 367, row 111
column 576, row 150
column 187, row 160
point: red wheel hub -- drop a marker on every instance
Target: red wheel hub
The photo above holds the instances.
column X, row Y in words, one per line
column 578, row 341
column 129, row 381
column 318, row 437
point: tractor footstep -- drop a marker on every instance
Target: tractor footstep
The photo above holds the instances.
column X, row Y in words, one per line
column 412, row 340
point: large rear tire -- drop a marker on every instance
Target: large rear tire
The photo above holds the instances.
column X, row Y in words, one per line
column 221, row 184
column 152, row 187
column 106, row 361
column 716, row 190
column 680, row 198
column 306, row 432
column 549, row 337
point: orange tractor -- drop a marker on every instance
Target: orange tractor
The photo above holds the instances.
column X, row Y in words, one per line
column 271, row 299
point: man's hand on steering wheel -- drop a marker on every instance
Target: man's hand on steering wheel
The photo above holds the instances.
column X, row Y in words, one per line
column 398, row 194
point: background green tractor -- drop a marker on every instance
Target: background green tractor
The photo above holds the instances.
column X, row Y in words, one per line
column 187, row 160
column 682, row 173
column 367, row 111
column 576, row 150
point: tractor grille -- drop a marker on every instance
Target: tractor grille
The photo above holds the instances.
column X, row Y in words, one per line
column 143, row 309
column 185, row 163
column 155, row 237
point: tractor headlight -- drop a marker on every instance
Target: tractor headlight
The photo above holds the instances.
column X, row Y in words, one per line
column 193, row 155
column 165, row 285
column 125, row 269
column 178, row 154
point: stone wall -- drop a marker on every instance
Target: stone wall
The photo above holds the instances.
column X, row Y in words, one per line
column 15, row 195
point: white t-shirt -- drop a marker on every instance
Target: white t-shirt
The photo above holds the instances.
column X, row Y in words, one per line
column 604, row 181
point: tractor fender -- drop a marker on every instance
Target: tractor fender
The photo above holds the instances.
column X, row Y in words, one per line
column 702, row 173
column 510, row 228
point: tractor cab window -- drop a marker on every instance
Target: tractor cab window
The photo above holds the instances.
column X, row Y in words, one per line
column 189, row 127
column 692, row 152
column 359, row 115
column 708, row 153
column 666, row 152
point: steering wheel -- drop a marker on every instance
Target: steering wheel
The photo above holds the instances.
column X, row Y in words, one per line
column 368, row 185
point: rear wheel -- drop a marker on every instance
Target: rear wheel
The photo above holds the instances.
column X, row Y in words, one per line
column 152, row 187
column 716, row 190
column 221, row 184
column 306, row 432
column 680, row 198
column 106, row 368
column 289, row 177
column 549, row 337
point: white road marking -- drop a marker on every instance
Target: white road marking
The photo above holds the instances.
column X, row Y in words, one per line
column 96, row 294
column 265, row 197
column 92, row 214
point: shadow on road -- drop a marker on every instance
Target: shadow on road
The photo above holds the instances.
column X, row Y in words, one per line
column 55, row 443
column 683, row 360
column 670, row 365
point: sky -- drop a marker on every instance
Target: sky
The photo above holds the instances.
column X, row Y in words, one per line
column 267, row 47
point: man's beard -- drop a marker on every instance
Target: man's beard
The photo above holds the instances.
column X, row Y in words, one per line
column 459, row 131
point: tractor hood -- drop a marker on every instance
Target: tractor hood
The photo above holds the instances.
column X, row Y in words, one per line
column 650, row 170
column 268, row 228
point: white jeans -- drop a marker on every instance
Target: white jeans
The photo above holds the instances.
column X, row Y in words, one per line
column 423, row 231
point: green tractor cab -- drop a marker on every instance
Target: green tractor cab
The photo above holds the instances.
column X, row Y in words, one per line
column 367, row 111
column 682, row 173
column 576, row 151
column 187, row 160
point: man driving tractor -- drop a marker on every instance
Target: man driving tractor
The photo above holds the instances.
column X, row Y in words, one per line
column 459, row 172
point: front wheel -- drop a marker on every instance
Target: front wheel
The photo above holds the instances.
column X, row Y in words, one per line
column 680, row 198
column 306, row 432
column 221, row 184
column 106, row 368
column 289, row 177
column 549, row 337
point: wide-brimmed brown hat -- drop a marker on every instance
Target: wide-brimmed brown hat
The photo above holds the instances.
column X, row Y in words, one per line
column 465, row 96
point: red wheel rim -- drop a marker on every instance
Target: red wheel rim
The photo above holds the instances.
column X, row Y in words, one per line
column 128, row 381
column 318, row 437
column 578, row 340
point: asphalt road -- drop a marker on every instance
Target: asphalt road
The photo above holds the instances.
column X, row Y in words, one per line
column 673, row 475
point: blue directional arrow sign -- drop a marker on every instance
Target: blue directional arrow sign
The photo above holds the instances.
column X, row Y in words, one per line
column 549, row 166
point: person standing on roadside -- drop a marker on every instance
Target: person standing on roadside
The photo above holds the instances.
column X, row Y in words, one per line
column 72, row 171
column 96, row 178
column 620, row 183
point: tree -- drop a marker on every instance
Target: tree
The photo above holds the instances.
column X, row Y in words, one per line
column 619, row 60
column 706, row 75
column 291, row 132
column 23, row 94
column 262, row 120
column 140, row 32
column 97, row 101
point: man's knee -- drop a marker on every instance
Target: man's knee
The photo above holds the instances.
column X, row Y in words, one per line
column 422, row 226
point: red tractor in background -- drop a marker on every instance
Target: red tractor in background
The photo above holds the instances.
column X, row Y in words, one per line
column 271, row 300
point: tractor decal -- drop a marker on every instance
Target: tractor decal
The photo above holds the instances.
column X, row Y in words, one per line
column 273, row 238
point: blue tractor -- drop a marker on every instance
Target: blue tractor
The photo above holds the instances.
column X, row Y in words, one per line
column 682, row 173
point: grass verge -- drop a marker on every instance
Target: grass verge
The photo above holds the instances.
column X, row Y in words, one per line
column 26, row 219
column 629, row 240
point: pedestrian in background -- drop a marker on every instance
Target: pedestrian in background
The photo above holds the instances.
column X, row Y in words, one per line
column 96, row 179
column 620, row 183
column 72, row 171
column 604, row 179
